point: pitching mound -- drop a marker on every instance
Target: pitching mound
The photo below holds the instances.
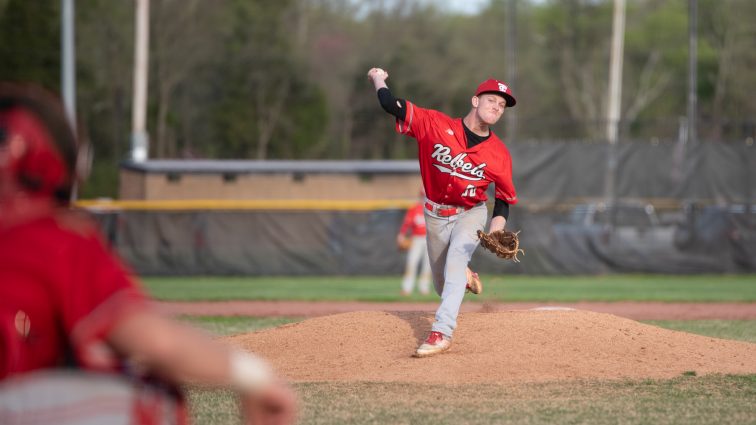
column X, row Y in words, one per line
column 521, row 346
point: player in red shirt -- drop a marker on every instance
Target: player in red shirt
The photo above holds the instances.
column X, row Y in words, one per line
column 77, row 334
column 459, row 159
column 417, row 249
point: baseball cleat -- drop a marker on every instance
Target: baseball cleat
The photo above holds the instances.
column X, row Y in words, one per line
column 436, row 343
column 474, row 284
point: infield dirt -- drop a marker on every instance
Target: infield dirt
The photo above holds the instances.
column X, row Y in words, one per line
column 496, row 347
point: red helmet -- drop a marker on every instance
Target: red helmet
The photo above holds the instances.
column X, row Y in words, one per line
column 45, row 163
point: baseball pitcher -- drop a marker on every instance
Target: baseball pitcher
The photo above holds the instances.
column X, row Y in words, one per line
column 459, row 159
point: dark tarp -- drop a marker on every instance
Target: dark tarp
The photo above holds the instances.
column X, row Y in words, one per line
column 256, row 242
column 363, row 243
column 558, row 172
column 560, row 186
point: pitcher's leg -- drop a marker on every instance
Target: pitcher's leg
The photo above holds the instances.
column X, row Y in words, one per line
column 437, row 238
column 464, row 240
column 453, row 293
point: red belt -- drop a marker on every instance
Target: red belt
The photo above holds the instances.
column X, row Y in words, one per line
column 445, row 211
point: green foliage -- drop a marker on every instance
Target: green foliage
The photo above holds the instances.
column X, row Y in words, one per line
column 660, row 35
column 726, row 35
column 305, row 124
column 286, row 79
column 104, row 80
column 30, row 42
column 102, row 181
column 267, row 109
column 234, row 128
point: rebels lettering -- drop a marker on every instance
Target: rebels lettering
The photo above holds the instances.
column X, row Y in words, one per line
column 442, row 155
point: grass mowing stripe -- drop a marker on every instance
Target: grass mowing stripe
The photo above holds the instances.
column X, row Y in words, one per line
column 684, row 400
column 741, row 330
column 231, row 325
column 660, row 288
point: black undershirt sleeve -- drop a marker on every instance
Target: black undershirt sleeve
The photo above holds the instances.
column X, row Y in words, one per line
column 501, row 208
column 392, row 105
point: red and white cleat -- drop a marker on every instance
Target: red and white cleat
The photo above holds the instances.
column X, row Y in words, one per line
column 436, row 343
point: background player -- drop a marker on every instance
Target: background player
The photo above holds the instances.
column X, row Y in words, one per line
column 417, row 249
column 67, row 303
column 459, row 159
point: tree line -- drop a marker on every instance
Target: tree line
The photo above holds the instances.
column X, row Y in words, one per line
column 256, row 79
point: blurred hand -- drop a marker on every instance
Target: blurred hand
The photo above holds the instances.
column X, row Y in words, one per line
column 275, row 405
column 402, row 242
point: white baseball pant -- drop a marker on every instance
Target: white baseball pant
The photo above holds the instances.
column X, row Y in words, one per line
column 451, row 243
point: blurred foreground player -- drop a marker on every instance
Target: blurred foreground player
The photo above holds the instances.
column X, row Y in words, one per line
column 79, row 341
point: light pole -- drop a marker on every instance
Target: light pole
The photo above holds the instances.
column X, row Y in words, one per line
column 68, row 69
column 692, row 69
column 139, row 136
column 614, row 101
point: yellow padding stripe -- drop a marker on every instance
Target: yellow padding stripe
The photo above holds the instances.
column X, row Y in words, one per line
column 224, row 204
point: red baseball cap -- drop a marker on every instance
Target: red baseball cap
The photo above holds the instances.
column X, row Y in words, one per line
column 494, row 86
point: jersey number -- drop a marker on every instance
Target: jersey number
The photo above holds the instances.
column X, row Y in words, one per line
column 469, row 191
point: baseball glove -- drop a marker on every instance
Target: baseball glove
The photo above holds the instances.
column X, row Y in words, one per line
column 503, row 243
column 403, row 244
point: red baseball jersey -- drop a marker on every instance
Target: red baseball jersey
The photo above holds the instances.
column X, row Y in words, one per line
column 414, row 221
column 61, row 291
column 453, row 174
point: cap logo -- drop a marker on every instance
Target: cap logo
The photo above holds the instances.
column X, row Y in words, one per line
column 502, row 87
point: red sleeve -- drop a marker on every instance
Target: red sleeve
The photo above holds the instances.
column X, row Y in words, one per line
column 99, row 293
column 505, row 189
column 416, row 122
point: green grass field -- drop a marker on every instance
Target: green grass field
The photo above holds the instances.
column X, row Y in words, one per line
column 663, row 288
column 685, row 400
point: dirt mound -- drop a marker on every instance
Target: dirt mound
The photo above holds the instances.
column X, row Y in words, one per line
column 523, row 346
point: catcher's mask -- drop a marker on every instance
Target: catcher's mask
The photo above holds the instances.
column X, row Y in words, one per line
column 42, row 149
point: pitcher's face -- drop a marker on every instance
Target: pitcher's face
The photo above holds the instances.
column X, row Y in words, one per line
column 490, row 107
